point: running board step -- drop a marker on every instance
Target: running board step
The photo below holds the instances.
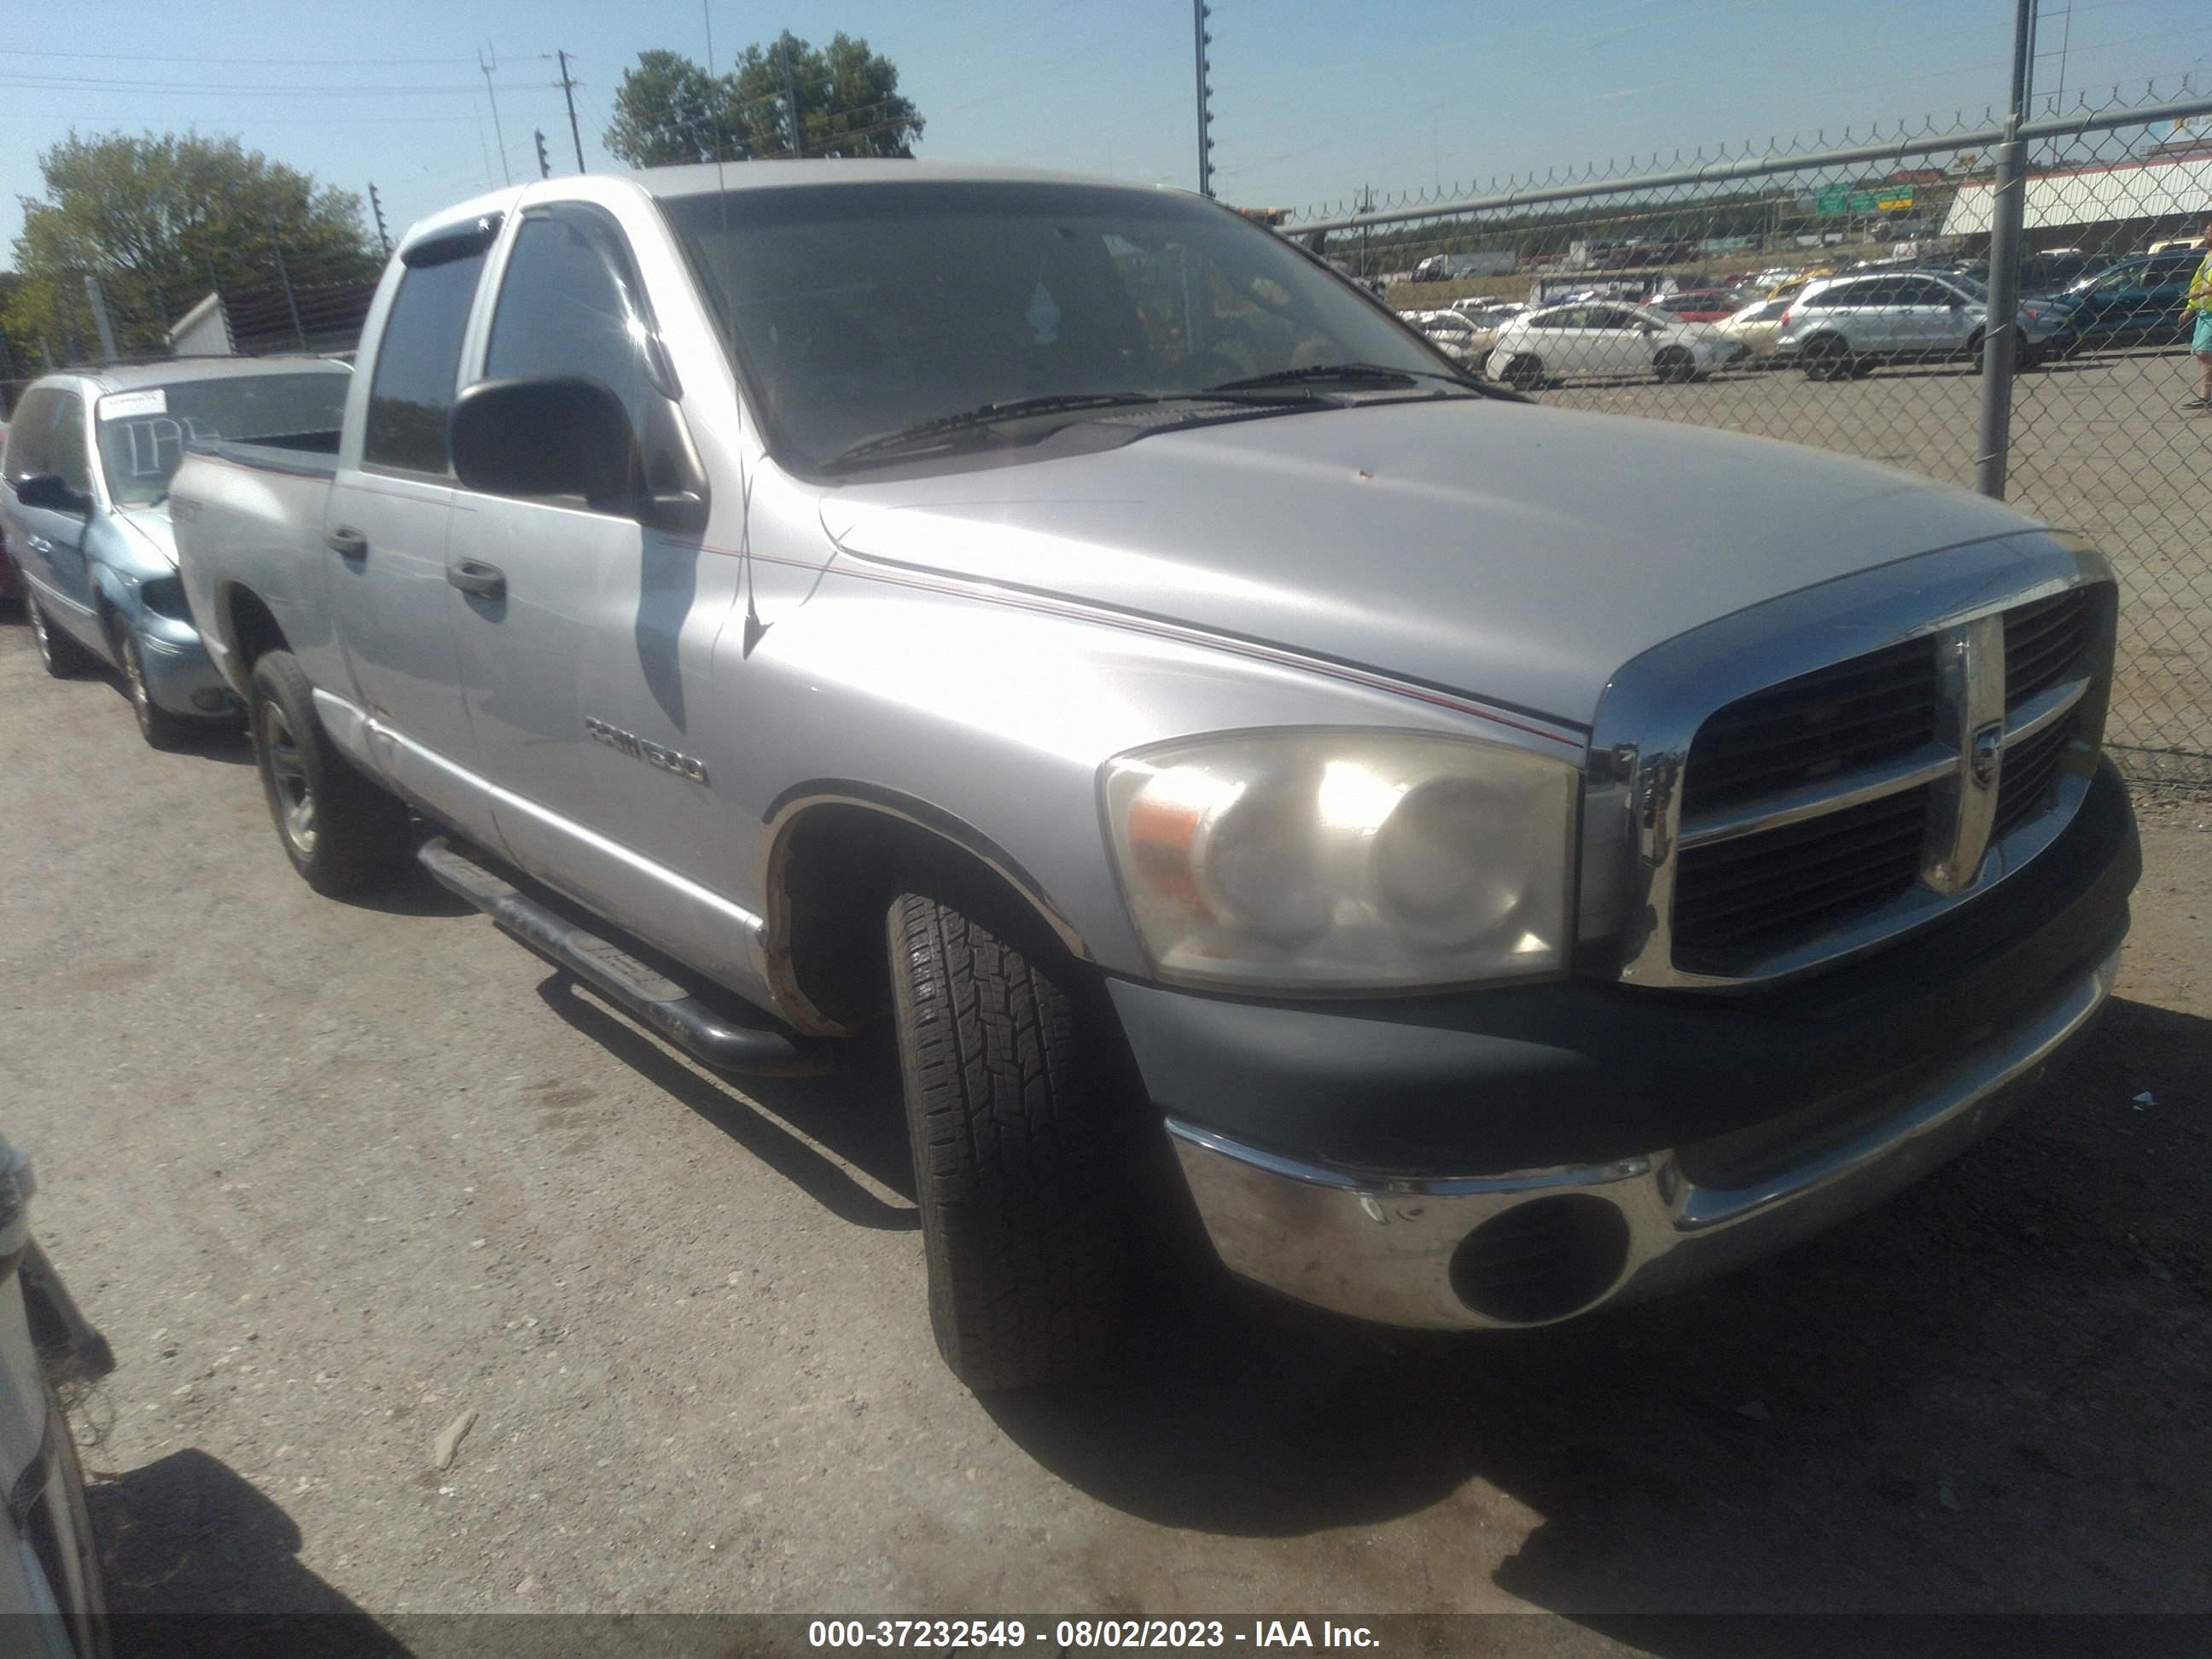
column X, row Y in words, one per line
column 668, row 1007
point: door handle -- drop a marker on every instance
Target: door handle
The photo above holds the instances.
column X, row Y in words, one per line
column 40, row 544
column 347, row 542
column 486, row 581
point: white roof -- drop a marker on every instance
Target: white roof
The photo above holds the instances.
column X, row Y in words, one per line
column 2090, row 196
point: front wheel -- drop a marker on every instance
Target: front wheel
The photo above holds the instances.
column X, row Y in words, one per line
column 1525, row 375
column 340, row 830
column 160, row 729
column 1016, row 1163
column 1675, row 366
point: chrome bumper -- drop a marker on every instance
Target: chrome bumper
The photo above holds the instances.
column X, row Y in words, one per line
column 1541, row 1245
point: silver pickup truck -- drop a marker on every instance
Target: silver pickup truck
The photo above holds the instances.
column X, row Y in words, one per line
column 1514, row 861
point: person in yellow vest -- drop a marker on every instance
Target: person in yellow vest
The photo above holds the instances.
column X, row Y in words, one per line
column 2199, row 305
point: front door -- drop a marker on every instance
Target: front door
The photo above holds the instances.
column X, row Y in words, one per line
column 52, row 441
column 385, row 536
column 589, row 670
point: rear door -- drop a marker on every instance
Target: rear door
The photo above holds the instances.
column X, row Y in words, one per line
column 589, row 674
column 385, row 529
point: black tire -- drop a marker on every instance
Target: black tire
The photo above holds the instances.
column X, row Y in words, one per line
column 1675, row 366
column 1525, row 375
column 160, row 728
column 1826, row 359
column 2021, row 358
column 340, row 831
column 1018, row 1157
column 61, row 655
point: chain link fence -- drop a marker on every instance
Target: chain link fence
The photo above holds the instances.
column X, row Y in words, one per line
column 1838, row 294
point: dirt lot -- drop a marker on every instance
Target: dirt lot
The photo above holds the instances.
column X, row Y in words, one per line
column 330, row 1175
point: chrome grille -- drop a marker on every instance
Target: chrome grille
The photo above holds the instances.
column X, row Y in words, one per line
column 1752, row 889
column 1830, row 722
column 2030, row 767
column 1815, row 807
column 2043, row 642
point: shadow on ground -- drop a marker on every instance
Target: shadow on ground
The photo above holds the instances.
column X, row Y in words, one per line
column 854, row 1113
column 1993, row 1392
column 199, row 1562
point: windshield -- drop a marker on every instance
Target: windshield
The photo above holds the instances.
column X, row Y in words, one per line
column 142, row 434
column 1973, row 286
column 861, row 310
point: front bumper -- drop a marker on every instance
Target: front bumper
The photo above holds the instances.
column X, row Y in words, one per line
column 1344, row 1151
column 180, row 676
column 1536, row 1246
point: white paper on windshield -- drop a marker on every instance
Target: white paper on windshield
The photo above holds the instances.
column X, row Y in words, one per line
column 122, row 405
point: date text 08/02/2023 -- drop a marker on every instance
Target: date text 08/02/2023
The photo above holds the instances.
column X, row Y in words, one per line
column 1074, row 1634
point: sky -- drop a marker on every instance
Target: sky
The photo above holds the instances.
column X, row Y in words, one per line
column 1313, row 99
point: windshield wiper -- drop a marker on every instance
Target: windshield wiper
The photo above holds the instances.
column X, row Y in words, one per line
column 1371, row 373
column 1057, row 403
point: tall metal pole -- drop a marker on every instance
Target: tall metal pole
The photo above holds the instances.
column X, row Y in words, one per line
column 376, row 207
column 1200, row 40
column 291, row 300
column 2000, row 328
column 99, row 303
column 493, row 98
column 791, row 95
column 568, row 91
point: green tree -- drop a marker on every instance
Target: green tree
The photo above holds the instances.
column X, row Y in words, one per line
column 669, row 110
column 159, row 220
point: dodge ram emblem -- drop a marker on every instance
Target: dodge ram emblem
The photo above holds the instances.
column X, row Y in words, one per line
column 1988, row 754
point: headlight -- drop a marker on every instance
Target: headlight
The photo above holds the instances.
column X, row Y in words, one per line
column 1344, row 860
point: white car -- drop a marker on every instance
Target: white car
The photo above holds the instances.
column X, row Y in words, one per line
column 1609, row 340
column 1450, row 333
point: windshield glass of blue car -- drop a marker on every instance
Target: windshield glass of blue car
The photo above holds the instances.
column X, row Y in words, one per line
column 143, row 433
column 857, row 311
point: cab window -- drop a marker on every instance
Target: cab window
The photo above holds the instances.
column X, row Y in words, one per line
column 417, row 361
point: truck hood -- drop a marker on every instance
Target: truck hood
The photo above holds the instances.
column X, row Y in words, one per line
column 151, row 527
column 1515, row 553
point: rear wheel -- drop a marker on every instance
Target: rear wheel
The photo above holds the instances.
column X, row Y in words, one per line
column 1525, row 374
column 61, row 656
column 1018, row 1157
column 340, row 831
column 1827, row 359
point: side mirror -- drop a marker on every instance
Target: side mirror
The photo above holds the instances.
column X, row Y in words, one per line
column 562, row 436
column 47, row 491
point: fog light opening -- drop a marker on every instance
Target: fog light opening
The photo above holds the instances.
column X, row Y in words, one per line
column 213, row 702
column 1542, row 1259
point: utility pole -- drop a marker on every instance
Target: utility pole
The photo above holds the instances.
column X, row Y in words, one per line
column 376, row 207
column 99, row 302
column 1200, row 11
column 493, row 99
column 291, row 300
column 2001, row 330
column 568, row 91
column 544, row 166
column 790, row 93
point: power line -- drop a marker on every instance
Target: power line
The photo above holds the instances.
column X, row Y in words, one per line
column 204, row 88
column 173, row 57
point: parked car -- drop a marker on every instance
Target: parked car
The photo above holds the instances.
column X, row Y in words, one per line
column 2136, row 302
column 89, row 464
column 2042, row 274
column 1697, row 305
column 1608, row 340
column 1448, row 331
column 1510, row 860
column 1757, row 327
column 1844, row 326
column 52, row 1603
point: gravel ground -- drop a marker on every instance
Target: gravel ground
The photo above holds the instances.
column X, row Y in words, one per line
column 334, row 1176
